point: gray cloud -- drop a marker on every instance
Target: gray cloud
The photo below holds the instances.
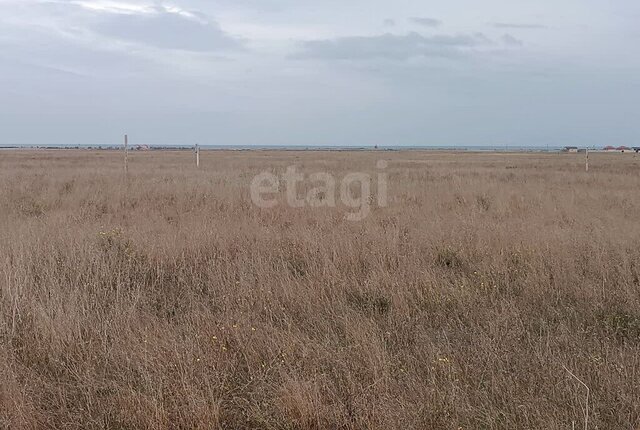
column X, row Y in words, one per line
column 391, row 46
column 166, row 29
column 509, row 40
column 389, row 22
column 425, row 22
column 518, row 26
column 482, row 39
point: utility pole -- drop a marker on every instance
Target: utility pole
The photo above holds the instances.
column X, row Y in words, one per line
column 586, row 160
column 126, row 154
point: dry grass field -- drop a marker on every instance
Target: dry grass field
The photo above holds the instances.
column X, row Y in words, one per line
column 171, row 301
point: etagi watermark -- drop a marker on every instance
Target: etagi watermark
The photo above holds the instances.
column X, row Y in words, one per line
column 319, row 190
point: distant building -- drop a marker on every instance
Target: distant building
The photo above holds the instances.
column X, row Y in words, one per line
column 570, row 149
column 609, row 148
column 623, row 148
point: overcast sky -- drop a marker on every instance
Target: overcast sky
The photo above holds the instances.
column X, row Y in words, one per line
column 332, row 72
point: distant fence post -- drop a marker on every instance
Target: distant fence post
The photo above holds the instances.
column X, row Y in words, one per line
column 586, row 160
column 126, row 154
column 197, row 156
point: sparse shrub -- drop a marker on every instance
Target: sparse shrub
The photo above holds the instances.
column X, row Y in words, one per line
column 297, row 266
column 114, row 242
column 484, row 202
column 30, row 207
column 368, row 302
column 449, row 258
column 67, row 187
column 619, row 325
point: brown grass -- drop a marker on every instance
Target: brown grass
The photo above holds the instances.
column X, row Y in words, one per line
column 171, row 301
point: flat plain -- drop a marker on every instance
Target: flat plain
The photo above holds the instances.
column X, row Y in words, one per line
column 494, row 291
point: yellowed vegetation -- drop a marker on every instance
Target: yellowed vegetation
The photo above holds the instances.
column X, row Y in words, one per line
column 171, row 301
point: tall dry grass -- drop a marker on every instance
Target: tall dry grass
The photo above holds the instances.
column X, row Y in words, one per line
column 170, row 301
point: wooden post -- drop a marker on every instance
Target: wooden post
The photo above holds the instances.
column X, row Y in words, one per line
column 126, row 154
column 197, row 156
column 586, row 160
